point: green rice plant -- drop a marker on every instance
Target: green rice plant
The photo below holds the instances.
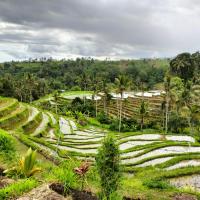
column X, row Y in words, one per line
column 14, row 118
column 31, row 125
column 9, row 107
column 182, row 157
column 18, row 188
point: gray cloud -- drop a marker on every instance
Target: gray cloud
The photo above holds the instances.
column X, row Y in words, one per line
column 100, row 28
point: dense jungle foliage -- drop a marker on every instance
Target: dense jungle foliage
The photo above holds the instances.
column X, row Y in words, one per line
column 29, row 80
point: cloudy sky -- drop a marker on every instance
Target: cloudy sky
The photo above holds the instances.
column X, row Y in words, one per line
column 98, row 28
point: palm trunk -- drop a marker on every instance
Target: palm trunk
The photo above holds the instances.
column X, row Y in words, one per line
column 142, row 122
column 167, row 115
column 96, row 107
column 56, row 108
column 107, row 108
column 117, row 108
column 163, row 121
column 104, row 104
column 120, row 115
column 84, row 96
column 21, row 98
column 30, row 96
column 189, row 123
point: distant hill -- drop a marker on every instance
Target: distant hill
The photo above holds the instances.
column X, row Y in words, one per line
column 44, row 76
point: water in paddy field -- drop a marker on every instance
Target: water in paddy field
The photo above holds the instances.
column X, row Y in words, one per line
column 192, row 181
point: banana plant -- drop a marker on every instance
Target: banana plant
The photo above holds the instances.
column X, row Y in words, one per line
column 26, row 165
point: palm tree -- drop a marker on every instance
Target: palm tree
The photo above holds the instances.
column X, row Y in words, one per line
column 163, row 106
column 30, row 83
column 173, row 91
column 83, row 80
column 107, row 97
column 195, row 94
column 19, row 88
column 96, row 85
column 167, row 100
column 143, row 111
column 190, row 104
column 195, row 115
column 56, row 98
column 183, row 66
column 122, row 83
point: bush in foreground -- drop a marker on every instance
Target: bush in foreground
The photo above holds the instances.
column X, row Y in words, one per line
column 26, row 166
column 6, row 142
column 108, row 165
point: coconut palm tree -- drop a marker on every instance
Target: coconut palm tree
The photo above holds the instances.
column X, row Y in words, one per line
column 122, row 83
column 107, row 96
column 143, row 111
column 167, row 99
column 84, row 80
column 30, row 85
column 96, row 86
column 19, row 88
column 56, row 98
column 183, row 66
column 190, row 104
column 163, row 106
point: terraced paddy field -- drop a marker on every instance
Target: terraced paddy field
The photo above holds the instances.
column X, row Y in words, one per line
column 130, row 107
column 130, row 104
column 57, row 137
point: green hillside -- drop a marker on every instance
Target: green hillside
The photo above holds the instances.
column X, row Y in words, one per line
column 101, row 129
column 161, row 156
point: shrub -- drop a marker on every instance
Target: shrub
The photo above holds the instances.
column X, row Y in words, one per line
column 64, row 174
column 6, row 142
column 126, row 126
column 108, row 166
column 176, row 123
column 81, row 119
column 78, row 105
column 75, row 88
column 103, row 118
column 26, row 166
column 114, row 126
column 81, row 171
column 159, row 184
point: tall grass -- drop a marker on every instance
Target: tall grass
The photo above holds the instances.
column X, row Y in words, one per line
column 16, row 189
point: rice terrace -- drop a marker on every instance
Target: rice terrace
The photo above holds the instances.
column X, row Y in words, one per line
column 97, row 102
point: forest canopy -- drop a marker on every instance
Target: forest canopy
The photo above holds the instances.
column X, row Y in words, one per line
column 46, row 75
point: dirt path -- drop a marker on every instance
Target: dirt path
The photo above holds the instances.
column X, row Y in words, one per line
column 42, row 193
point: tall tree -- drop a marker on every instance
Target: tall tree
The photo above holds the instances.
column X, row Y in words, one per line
column 105, row 88
column 167, row 82
column 56, row 98
column 30, row 85
column 183, row 66
column 143, row 111
column 122, row 83
column 84, row 81
column 190, row 104
column 96, row 86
